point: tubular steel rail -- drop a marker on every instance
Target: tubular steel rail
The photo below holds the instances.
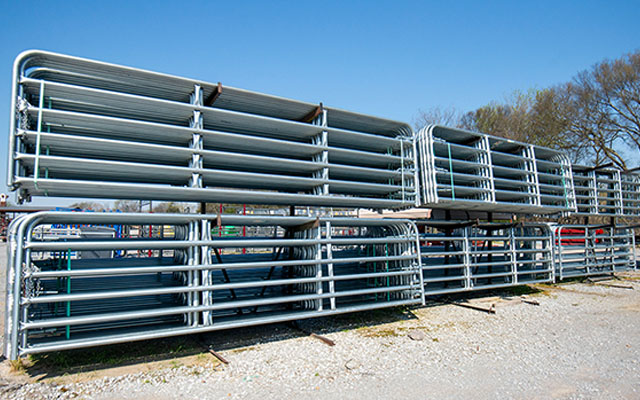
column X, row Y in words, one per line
column 460, row 169
column 191, row 281
column 91, row 129
column 606, row 192
column 586, row 250
column 461, row 256
column 85, row 128
column 68, row 289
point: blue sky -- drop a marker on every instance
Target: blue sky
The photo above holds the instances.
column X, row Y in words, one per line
column 382, row 58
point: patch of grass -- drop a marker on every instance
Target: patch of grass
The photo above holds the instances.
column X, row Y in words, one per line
column 568, row 281
column 522, row 291
column 544, row 288
column 56, row 360
column 628, row 278
column 243, row 349
column 114, row 355
column 178, row 349
column 366, row 318
column 563, row 287
column 378, row 333
column 20, row 365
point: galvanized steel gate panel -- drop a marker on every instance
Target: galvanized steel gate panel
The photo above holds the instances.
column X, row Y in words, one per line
column 191, row 280
column 84, row 128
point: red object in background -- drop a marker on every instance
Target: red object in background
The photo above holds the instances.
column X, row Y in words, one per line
column 150, row 253
column 150, row 236
column 575, row 236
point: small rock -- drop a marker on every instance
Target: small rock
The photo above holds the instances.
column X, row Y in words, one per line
column 6, row 388
column 417, row 335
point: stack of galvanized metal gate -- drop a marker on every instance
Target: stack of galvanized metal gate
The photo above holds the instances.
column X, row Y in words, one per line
column 190, row 281
column 467, row 255
column 606, row 192
column 89, row 129
column 82, row 128
column 473, row 171
column 586, row 250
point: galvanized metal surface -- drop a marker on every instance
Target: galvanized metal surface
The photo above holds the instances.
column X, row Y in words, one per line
column 465, row 255
column 460, row 169
column 92, row 129
column 587, row 250
column 187, row 279
column 193, row 280
column 606, row 192
column 84, row 128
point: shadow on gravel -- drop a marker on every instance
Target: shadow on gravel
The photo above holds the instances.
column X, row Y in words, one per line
column 504, row 293
column 51, row 365
column 56, row 364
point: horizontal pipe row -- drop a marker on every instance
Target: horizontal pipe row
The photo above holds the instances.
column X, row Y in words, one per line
column 593, row 250
column 197, row 279
column 90, row 129
column 83, row 290
column 459, row 169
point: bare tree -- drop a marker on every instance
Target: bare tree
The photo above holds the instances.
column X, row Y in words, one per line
column 594, row 118
column 510, row 119
column 169, row 207
column 619, row 96
column 601, row 109
column 437, row 115
column 546, row 125
column 88, row 205
column 127, row 205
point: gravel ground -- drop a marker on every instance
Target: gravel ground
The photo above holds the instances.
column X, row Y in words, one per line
column 582, row 341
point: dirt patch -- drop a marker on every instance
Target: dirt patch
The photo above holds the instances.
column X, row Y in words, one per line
column 32, row 372
column 631, row 307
